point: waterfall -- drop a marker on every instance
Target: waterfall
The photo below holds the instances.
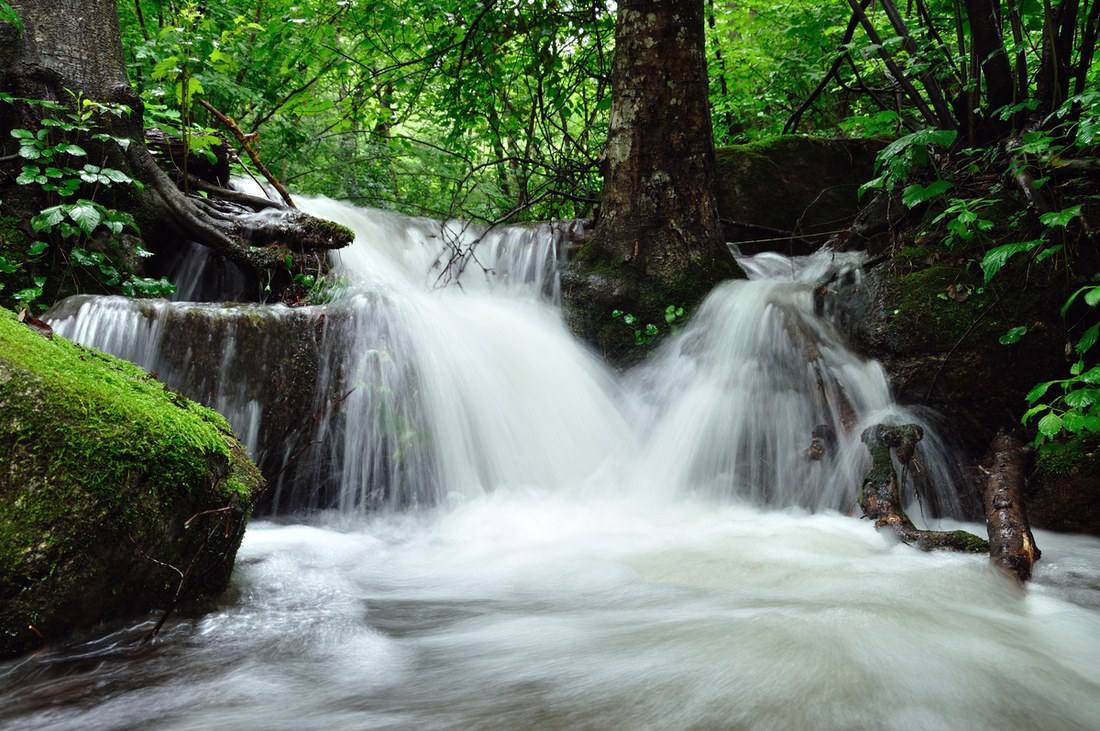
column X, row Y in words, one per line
column 442, row 370
column 660, row 549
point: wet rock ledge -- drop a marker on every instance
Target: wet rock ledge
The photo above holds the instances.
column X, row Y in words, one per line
column 117, row 496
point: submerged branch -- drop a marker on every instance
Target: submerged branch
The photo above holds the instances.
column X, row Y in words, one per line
column 881, row 501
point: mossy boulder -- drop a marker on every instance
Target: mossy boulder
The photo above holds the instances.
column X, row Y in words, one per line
column 804, row 185
column 937, row 329
column 117, row 496
column 1064, row 491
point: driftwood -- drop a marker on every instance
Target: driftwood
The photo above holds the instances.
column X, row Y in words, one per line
column 1011, row 544
column 880, row 499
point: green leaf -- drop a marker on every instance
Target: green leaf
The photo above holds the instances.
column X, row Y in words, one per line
column 1087, row 340
column 37, row 247
column 1073, row 422
column 28, row 295
column 29, row 175
column 74, row 150
column 86, row 258
column 1091, row 376
column 85, row 215
column 1082, row 398
column 115, row 176
column 146, row 287
column 1073, row 297
column 48, row 218
column 1013, row 335
column 1037, row 392
column 1060, row 218
column 1032, row 412
column 998, row 256
column 915, row 194
column 1050, row 425
column 1047, row 253
column 874, row 184
column 166, row 67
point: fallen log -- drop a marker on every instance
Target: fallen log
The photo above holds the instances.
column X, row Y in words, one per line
column 1011, row 544
column 880, row 498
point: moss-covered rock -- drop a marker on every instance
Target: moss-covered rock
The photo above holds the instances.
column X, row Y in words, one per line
column 1064, row 492
column 117, row 496
column 804, row 185
column 937, row 330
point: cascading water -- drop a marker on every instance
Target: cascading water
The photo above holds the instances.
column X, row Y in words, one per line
column 446, row 371
column 587, row 551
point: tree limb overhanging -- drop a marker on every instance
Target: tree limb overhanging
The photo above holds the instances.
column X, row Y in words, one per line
column 44, row 63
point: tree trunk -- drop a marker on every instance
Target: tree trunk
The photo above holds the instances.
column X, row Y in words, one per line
column 72, row 49
column 658, row 239
column 1059, row 28
column 988, row 47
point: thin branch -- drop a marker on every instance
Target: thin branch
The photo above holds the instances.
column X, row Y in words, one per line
column 895, row 69
column 244, row 139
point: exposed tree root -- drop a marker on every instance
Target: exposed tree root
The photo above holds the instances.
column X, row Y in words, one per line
column 249, row 230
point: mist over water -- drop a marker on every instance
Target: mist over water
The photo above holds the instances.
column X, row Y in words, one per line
column 513, row 536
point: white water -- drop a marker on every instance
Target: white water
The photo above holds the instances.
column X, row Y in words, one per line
column 593, row 558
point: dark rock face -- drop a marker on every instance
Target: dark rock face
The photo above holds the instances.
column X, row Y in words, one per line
column 939, row 339
column 790, row 193
column 936, row 329
column 111, row 488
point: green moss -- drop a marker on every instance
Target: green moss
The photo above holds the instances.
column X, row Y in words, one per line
column 105, row 480
column 967, row 542
column 327, row 234
column 942, row 303
column 1075, row 458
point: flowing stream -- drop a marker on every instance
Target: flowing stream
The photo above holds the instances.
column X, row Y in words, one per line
column 477, row 525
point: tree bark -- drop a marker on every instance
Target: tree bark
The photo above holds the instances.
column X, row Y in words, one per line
column 988, row 47
column 72, row 49
column 658, row 239
column 1011, row 544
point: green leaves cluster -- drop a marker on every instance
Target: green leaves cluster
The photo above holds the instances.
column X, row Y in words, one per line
column 647, row 334
column 57, row 162
column 485, row 111
column 1073, row 409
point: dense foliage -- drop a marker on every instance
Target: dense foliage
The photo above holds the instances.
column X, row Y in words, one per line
column 488, row 110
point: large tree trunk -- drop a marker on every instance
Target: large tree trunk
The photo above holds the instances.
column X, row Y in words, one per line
column 658, row 240
column 72, row 49
column 988, row 47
